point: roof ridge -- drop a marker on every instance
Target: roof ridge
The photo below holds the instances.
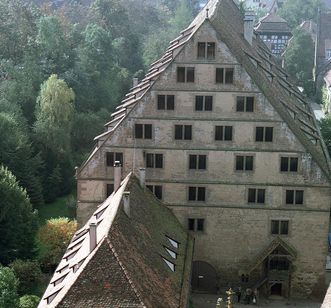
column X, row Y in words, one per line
column 125, row 272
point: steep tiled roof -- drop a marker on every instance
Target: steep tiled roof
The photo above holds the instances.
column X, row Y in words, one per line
column 128, row 266
column 272, row 23
column 257, row 60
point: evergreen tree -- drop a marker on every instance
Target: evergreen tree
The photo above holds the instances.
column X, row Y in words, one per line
column 18, row 222
column 8, row 288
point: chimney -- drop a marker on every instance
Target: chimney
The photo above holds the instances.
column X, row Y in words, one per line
column 93, row 235
column 135, row 82
column 249, row 26
column 117, row 175
column 142, row 177
column 126, row 201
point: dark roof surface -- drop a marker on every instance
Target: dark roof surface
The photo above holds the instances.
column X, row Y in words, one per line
column 127, row 268
column 272, row 23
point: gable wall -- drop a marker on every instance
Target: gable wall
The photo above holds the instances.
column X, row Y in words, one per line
column 226, row 205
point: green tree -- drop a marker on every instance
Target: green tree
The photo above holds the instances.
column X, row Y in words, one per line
column 297, row 11
column 18, row 155
column 54, row 112
column 29, row 301
column 53, row 239
column 325, row 126
column 299, row 60
column 29, row 275
column 8, row 288
column 18, row 222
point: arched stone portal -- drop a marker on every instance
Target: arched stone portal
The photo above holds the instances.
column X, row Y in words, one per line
column 204, row 277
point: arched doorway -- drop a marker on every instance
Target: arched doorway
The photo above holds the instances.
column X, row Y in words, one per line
column 204, row 277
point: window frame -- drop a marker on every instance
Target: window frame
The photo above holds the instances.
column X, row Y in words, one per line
column 244, row 162
column 114, row 157
column 143, row 131
column 196, row 193
column 256, row 195
column 280, row 222
column 295, row 195
column 224, row 128
column 186, row 74
column 289, row 158
column 152, row 188
column 223, row 76
column 195, row 222
column 204, row 97
column 245, row 103
column 166, row 102
column 197, row 162
column 205, row 51
column 154, row 160
column 264, row 133
column 183, row 132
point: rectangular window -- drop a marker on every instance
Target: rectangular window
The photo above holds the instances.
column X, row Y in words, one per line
column 223, row 133
column 256, row 195
column 197, row 162
column 224, row 75
column 194, row 224
column 203, row 103
column 244, row 163
column 183, row 132
column 245, row 103
column 185, row 74
column 206, row 50
column 111, row 157
column 143, row 131
column 156, row 190
column 197, row 193
column 165, row 102
column 294, row 196
column 279, row 227
column 289, row 164
column 154, row 160
column 264, row 134
column 109, row 190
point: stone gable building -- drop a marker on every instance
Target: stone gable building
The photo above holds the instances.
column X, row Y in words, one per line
column 233, row 149
column 132, row 252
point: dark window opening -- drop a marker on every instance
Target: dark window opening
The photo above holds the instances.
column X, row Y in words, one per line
column 200, row 224
column 197, row 162
column 185, row 74
column 210, row 51
column 245, row 104
column 279, row 227
column 256, row 195
column 191, row 224
column 229, row 75
column 194, row 224
column 223, row 133
column 109, row 189
column 219, row 75
column 206, row 50
column 197, row 194
column 244, row 163
column 183, row 132
column 224, row 75
column 294, row 196
column 289, row 164
column 156, row 190
column 111, row 157
column 154, row 160
column 143, row 131
column 203, row 103
column 264, row 134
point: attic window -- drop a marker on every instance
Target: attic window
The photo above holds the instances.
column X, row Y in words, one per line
column 171, row 253
column 58, row 281
column 171, row 265
column 174, row 243
column 52, row 296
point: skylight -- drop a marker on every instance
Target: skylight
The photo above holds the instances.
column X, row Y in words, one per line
column 173, row 242
column 170, row 264
column 171, row 253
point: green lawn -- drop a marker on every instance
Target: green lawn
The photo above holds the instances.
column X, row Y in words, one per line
column 56, row 209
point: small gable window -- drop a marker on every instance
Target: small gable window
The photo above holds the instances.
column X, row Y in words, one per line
column 264, row 134
column 289, row 164
column 224, row 75
column 171, row 265
column 111, row 157
column 185, row 74
column 165, row 102
column 206, row 50
column 245, row 104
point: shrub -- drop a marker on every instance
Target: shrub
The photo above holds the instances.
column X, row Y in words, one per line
column 29, row 301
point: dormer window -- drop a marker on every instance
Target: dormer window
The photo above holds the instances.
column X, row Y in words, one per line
column 171, row 265
column 174, row 243
column 206, row 50
column 171, row 253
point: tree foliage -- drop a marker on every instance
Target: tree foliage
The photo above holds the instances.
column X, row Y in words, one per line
column 29, row 301
column 8, row 288
column 297, row 11
column 29, row 275
column 18, row 222
column 299, row 60
column 53, row 239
